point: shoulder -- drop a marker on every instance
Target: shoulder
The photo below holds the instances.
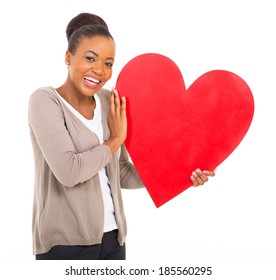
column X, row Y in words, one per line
column 44, row 100
column 43, row 93
column 43, row 96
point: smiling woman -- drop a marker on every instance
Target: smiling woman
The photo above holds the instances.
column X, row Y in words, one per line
column 77, row 132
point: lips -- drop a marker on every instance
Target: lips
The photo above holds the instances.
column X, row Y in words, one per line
column 91, row 82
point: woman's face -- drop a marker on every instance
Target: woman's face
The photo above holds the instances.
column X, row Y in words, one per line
column 90, row 67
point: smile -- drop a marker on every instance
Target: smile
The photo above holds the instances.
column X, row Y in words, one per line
column 91, row 80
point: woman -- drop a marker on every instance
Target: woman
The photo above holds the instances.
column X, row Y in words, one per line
column 81, row 163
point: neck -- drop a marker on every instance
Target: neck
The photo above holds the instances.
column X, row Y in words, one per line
column 75, row 98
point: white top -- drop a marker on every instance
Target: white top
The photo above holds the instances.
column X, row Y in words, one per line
column 95, row 125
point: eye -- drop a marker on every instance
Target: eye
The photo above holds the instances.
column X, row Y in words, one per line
column 109, row 64
column 90, row 58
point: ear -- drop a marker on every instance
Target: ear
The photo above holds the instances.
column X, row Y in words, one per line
column 67, row 57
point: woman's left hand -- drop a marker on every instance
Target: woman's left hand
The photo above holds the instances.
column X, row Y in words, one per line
column 199, row 177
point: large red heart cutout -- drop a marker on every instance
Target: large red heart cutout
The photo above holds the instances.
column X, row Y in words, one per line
column 171, row 130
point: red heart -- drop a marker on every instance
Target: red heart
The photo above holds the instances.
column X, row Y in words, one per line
column 171, row 130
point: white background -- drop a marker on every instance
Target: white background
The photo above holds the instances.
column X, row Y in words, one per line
column 233, row 216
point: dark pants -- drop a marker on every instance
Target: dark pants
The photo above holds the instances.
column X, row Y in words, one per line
column 109, row 249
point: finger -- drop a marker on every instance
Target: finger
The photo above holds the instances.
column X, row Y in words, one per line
column 123, row 106
column 195, row 182
column 197, row 178
column 117, row 101
column 209, row 173
column 112, row 105
column 201, row 175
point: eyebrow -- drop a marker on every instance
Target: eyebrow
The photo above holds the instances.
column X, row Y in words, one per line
column 98, row 55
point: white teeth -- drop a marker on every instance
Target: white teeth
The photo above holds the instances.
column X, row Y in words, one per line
column 92, row 79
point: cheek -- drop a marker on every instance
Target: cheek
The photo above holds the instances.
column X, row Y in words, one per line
column 108, row 74
column 78, row 71
column 83, row 67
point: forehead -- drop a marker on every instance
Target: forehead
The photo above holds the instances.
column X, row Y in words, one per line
column 100, row 44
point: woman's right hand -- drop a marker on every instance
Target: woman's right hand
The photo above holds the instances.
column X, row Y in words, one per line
column 117, row 121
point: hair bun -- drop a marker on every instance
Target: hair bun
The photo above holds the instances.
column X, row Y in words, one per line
column 83, row 19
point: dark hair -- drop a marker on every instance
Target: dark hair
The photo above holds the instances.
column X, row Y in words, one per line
column 85, row 25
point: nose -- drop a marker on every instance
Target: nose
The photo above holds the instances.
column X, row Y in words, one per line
column 97, row 68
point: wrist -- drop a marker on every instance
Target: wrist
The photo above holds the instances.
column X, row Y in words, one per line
column 113, row 143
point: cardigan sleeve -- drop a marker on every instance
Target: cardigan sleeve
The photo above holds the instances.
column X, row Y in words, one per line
column 129, row 177
column 48, row 129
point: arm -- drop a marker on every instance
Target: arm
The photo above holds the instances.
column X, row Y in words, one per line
column 49, row 130
column 130, row 179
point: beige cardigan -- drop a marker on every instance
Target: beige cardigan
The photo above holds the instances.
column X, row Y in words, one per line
column 68, row 205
